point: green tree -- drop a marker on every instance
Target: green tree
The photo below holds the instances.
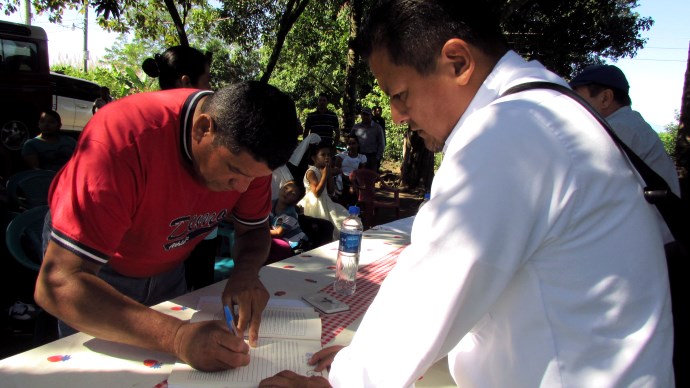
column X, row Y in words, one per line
column 565, row 36
column 312, row 56
column 669, row 136
column 313, row 59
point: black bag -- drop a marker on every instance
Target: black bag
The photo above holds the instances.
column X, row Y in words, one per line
column 676, row 212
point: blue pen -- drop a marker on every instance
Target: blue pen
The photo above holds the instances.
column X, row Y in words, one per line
column 229, row 320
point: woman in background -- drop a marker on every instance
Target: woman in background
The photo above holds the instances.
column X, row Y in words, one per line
column 187, row 67
column 180, row 67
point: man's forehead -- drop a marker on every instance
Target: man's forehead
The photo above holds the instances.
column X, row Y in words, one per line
column 380, row 63
column 244, row 163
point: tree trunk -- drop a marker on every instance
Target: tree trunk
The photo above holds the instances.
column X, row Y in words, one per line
column 287, row 20
column 683, row 140
column 352, row 69
column 418, row 163
column 179, row 26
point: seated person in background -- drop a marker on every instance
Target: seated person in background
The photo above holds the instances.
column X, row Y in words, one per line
column 50, row 150
column 286, row 233
column 319, row 231
column 319, row 183
column 348, row 161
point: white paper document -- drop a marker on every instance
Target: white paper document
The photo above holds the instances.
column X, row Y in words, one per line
column 290, row 333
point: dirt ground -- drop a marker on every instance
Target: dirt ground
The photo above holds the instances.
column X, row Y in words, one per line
column 409, row 198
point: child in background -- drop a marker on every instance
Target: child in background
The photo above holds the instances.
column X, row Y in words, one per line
column 319, row 183
column 348, row 161
column 286, row 233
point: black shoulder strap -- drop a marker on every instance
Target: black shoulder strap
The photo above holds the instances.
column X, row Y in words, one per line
column 656, row 189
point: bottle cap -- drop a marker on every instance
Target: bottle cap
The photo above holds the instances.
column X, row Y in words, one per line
column 354, row 210
column 427, row 195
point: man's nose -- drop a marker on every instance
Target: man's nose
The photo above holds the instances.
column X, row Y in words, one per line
column 399, row 114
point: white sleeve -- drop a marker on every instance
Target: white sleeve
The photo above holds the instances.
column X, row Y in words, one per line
column 467, row 243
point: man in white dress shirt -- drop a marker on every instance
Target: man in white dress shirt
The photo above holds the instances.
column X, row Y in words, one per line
column 537, row 261
column 606, row 88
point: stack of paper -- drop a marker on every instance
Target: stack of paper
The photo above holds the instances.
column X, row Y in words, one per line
column 290, row 333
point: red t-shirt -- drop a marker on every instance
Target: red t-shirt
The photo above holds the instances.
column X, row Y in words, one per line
column 129, row 196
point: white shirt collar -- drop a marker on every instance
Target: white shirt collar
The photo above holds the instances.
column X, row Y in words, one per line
column 509, row 71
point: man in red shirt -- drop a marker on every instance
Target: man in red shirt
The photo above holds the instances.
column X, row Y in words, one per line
column 152, row 175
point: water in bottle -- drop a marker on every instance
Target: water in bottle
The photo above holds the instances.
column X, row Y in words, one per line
column 348, row 253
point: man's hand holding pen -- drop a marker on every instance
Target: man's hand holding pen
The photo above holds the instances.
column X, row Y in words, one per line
column 209, row 346
column 251, row 297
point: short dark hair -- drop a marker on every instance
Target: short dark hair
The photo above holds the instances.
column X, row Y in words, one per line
column 176, row 62
column 322, row 94
column 353, row 136
column 54, row 115
column 413, row 32
column 300, row 190
column 620, row 96
column 255, row 117
column 314, row 149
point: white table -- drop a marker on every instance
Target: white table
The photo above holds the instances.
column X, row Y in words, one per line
column 80, row 360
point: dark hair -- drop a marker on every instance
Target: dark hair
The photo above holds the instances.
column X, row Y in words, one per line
column 254, row 117
column 620, row 96
column 53, row 114
column 352, row 136
column 314, row 149
column 322, row 94
column 413, row 32
column 299, row 188
column 176, row 62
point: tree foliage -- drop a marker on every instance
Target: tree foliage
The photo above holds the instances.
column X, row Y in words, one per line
column 303, row 45
column 669, row 136
column 565, row 36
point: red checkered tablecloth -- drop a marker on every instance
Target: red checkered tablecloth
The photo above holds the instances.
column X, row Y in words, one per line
column 369, row 278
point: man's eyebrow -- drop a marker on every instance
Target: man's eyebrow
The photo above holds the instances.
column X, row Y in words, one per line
column 237, row 170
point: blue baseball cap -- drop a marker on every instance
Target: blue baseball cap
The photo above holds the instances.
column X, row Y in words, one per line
column 606, row 75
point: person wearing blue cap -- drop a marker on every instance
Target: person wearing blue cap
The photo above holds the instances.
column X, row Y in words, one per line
column 606, row 88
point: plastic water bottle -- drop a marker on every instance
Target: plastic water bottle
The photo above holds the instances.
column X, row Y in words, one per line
column 348, row 253
column 427, row 197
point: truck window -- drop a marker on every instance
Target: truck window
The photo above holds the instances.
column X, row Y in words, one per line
column 19, row 56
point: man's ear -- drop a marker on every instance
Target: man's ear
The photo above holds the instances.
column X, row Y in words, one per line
column 606, row 98
column 202, row 125
column 457, row 57
column 185, row 81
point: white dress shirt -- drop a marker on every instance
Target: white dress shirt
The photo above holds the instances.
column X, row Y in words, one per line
column 537, row 261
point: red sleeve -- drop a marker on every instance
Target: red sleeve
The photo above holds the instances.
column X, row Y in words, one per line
column 92, row 200
column 254, row 205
